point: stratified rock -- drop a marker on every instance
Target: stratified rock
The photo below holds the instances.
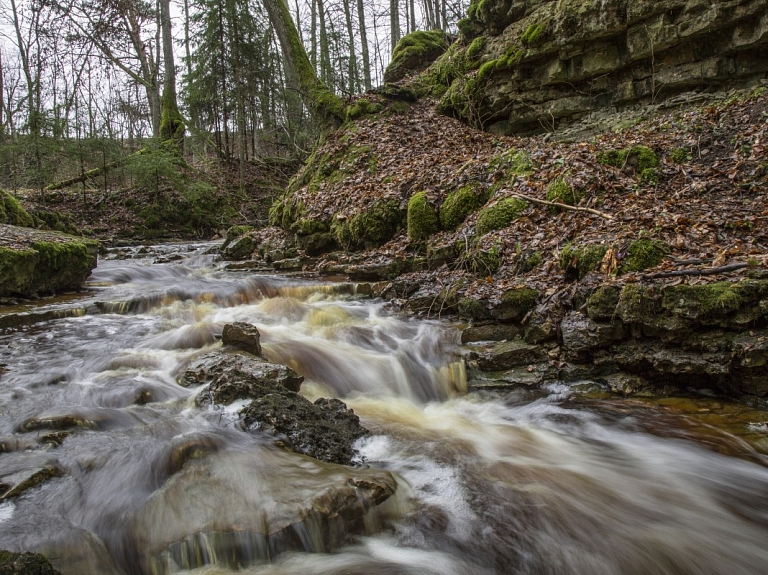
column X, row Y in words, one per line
column 489, row 333
column 242, row 336
column 25, row 564
column 35, row 262
column 324, row 430
column 239, row 249
column 538, row 60
column 510, row 354
column 581, row 334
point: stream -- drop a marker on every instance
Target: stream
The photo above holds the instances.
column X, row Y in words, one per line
column 550, row 481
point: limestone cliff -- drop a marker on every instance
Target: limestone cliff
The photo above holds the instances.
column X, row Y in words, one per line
column 527, row 66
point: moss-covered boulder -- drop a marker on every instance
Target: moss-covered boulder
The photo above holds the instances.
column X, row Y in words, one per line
column 414, row 52
column 12, row 213
column 499, row 215
column 577, row 261
column 371, row 229
column 34, row 262
column 458, row 205
column 422, row 217
column 643, row 254
column 639, row 158
column 560, row 191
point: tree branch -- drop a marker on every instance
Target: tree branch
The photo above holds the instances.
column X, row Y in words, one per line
column 562, row 206
column 698, row 272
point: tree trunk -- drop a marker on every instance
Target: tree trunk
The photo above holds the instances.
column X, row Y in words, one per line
column 324, row 105
column 326, row 71
column 394, row 22
column 364, row 45
column 353, row 79
column 171, row 122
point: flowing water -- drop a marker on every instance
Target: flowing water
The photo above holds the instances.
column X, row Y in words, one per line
column 117, row 471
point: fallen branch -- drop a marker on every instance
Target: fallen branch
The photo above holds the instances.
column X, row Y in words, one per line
column 698, row 272
column 96, row 172
column 562, row 206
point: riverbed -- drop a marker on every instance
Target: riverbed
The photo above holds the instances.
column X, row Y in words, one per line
column 558, row 480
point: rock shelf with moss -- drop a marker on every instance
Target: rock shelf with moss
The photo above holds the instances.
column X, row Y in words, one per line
column 35, row 262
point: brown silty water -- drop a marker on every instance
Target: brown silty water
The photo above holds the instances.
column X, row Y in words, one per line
column 117, row 471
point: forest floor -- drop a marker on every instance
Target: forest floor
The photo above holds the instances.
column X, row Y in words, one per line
column 704, row 203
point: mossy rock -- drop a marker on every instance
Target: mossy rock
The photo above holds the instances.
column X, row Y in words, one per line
column 499, row 215
column 363, row 107
column 601, row 305
column 640, row 158
column 370, row 229
column 484, row 262
column 396, row 93
column 235, row 232
column 12, row 213
column 680, row 156
column 637, row 303
column 458, row 205
column 473, row 309
column 515, row 303
column 561, row 191
column 308, row 226
column 44, row 262
column 577, row 261
column 414, row 52
column 644, row 254
column 526, row 261
column 422, row 218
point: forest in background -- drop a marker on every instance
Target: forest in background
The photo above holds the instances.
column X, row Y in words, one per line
column 84, row 83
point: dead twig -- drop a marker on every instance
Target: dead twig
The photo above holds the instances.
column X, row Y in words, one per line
column 562, row 206
column 698, row 272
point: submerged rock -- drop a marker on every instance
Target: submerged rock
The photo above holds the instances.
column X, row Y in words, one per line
column 25, row 564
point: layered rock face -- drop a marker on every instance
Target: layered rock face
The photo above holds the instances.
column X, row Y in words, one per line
column 541, row 65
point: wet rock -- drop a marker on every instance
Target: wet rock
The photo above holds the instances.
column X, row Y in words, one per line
column 510, row 354
column 579, row 333
column 233, row 376
column 15, row 484
column 491, row 332
column 25, row 564
column 317, row 243
column 239, row 249
column 324, row 430
column 242, row 336
column 293, row 264
column 235, row 509
column 84, row 418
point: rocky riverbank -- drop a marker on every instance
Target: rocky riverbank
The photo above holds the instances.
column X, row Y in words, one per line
column 637, row 259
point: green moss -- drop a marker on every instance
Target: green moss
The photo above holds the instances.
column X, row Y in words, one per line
column 680, row 155
column 601, row 305
column 560, row 191
column 523, row 298
column 309, row 226
column 649, row 176
column 644, row 254
column 639, row 157
column 372, row 228
column 12, row 213
column 499, row 215
column 512, row 162
column 235, row 232
column 422, row 217
column 414, row 51
column 362, row 107
column 534, row 33
column 578, row 261
column 476, row 47
column 484, row 262
column 637, row 303
column 472, row 308
column 458, row 205
column 46, row 266
column 707, row 301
